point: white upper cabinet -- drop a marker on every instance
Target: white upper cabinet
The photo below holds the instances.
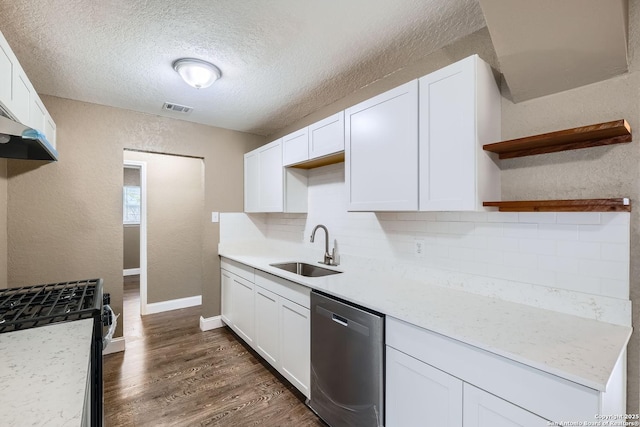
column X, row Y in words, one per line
column 270, row 176
column 381, row 151
column 320, row 139
column 268, row 186
column 251, row 182
column 295, row 147
column 459, row 112
column 326, row 136
column 18, row 98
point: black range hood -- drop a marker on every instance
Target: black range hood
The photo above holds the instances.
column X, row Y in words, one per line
column 18, row 141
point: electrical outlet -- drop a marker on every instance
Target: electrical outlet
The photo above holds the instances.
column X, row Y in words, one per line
column 418, row 248
column 215, row 216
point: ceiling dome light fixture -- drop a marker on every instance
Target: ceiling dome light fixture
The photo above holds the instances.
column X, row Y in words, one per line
column 196, row 72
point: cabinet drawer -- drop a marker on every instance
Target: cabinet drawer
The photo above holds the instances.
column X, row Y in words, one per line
column 286, row 289
column 547, row 395
column 238, row 269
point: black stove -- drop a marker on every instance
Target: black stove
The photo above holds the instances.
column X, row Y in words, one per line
column 41, row 305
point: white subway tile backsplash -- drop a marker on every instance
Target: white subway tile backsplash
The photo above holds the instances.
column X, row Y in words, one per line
column 558, row 264
column 438, row 227
column 584, row 253
column 558, row 232
column 463, row 228
column 505, row 244
column 502, row 217
column 614, row 251
column 515, row 259
column 575, row 249
column 488, row 229
column 447, row 216
column 616, row 270
column 604, row 233
column 473, row 216
column 578, row 218
column 537, row 246
column 616, row 218
column 537, row 217
column 521, row 231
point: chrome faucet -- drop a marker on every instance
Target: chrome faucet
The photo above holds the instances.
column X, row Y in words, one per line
column 329, row 258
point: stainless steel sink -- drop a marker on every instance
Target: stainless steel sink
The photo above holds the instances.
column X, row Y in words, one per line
column 303, row 269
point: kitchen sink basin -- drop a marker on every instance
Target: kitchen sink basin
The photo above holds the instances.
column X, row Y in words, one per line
column 303, row 269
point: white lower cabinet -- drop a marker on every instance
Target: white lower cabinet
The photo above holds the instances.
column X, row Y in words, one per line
column 434, row 381
column 283, row 328
column 226, row 282
column 242, row 308
column 268, row 325
column 295, row 344
column 237, row 300
column 482, row 409
column 419, row 394
column 272, row 315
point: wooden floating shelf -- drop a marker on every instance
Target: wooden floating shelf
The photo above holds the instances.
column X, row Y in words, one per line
column 584, row 205
column 615, row 132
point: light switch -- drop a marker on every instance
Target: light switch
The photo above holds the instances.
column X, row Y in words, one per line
column 215, row 216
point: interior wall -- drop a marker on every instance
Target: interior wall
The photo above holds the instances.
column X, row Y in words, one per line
column 65, row 218
column 131, row 247
column 175, row 202
column 3, row 224
column 600, row 172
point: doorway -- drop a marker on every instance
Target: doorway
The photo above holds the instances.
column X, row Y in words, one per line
column 171, row 229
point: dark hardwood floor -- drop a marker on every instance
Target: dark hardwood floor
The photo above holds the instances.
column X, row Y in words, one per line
column 173, row 374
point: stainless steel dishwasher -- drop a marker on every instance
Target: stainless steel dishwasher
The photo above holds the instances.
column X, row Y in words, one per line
column 347, row 363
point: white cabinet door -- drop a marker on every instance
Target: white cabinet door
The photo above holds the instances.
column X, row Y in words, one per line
column 50, row 130
column 270, row 175
column 420, row 395
column 381, row 151
column 251, row 182
column 295, row 347
column 6, row 75
column 242, row 307
column 38, row 114
column 459, row 112
column 295, row 147
column 327, row 136
column 482, row 409
column 21, row 97
column 226, row 285
column 267, row 325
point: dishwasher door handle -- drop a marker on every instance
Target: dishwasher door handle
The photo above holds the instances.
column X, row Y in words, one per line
column 343, row 321
column 339, row 319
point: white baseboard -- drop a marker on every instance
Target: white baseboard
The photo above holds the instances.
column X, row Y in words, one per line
column 210, row 323
column 116, row 345
column 130, row 271
column 175, row 304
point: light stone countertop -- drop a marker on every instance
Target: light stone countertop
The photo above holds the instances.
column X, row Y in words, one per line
column 43, row 374
column 581, row 350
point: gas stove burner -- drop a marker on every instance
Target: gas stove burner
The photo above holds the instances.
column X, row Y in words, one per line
column 40, row 305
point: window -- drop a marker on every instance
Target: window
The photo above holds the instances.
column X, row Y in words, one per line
column 131, row 204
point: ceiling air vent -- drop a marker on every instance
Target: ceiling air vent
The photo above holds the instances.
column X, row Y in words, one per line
column 177, row 108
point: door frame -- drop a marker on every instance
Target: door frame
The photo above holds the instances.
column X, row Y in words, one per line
column 142, row 166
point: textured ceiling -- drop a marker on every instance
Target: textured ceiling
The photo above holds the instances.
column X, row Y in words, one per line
column 280, row 59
